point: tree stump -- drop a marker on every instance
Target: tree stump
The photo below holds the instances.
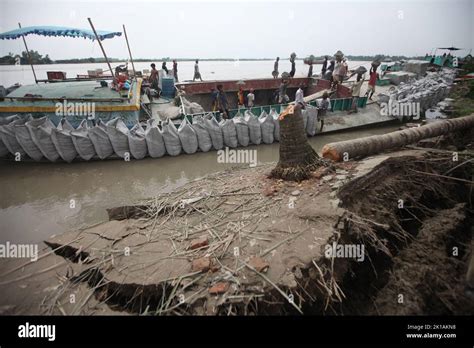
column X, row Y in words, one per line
column 297, row 158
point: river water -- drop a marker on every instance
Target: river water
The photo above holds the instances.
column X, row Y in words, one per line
column 36, row 197
column 215, row 70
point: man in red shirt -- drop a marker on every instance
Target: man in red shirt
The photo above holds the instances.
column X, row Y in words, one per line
column 373, row 76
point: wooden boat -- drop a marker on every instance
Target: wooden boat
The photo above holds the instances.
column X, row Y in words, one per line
column 336, row 120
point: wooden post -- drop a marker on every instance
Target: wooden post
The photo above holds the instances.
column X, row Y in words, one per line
column 129, row 51
column 29, row 56
column 102, row 48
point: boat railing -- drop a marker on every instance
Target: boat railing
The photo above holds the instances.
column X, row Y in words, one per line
column 337, row 104
column 39, row 98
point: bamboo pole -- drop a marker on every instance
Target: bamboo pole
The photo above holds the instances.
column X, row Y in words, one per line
column 29, row 56
column 102, row 48
column 129, row 51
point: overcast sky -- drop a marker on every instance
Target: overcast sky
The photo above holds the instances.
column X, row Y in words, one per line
column 244, row 29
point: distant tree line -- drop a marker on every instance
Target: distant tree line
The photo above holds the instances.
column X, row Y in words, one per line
column 37, row 58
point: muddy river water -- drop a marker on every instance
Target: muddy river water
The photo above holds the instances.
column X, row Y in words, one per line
column 38, row 200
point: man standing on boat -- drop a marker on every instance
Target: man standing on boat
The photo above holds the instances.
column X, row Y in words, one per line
column 197, row 74
column 345, row 68
column 214, row 101
column 299, row 97
column 282, row 96
column 240, row 98
column 329, row 71
column 310, row 70
column 154, row 78
column 275, row 68
column 222, row 102
column 325, row 66
column 356, row 93
column 293, row 65
column 175, row 70
column 163, row 67
column 250, row 99
column 373, row 76
column 324, row 104
column 339, row 72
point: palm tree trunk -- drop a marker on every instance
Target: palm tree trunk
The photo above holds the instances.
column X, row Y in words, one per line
column 366, row 146
column 297, row 157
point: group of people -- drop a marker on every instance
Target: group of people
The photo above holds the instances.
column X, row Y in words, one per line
column 220, row 103
column 335, row 70
column 154, row 77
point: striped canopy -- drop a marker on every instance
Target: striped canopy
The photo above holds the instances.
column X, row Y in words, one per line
column 59, row 31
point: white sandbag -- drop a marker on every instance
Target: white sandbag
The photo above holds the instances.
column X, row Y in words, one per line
column 203, row 137
column 214, row 131
column 229, row 133
column 7, row 134
column 154, row 140
column 62, row 140
column 172, row 112
column 137, row 142
column 276, row 123
column 267, row 126
column 82, row 143
column 40, row 130
column 304, row 114
column 8, row 119
column 242, row 129
column 99, row 137
column 254, row 127
column 312, row 121
column 191, row 107
column 188, row 137
column 4, row 150
column 171, row 138
column 118, row 135
column 23, row 137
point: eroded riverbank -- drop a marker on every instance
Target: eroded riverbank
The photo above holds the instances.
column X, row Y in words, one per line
column 237, row 242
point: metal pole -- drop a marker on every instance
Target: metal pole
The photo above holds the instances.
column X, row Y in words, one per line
column 29, row 56
column 102, row 48
column 129, row 51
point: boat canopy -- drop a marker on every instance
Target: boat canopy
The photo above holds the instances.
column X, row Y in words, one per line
column 58, row 31
column 450, row 48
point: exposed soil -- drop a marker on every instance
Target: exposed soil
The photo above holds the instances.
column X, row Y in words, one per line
column 239, row 243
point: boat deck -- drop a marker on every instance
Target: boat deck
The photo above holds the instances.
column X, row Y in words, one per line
column 73, row 90
column 104, row 102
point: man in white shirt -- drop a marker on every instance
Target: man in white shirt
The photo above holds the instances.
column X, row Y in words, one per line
column 323, row 105
column 299, row 97
column 250, row 99
column 356, row 92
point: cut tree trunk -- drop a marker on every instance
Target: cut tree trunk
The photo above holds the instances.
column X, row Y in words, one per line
column 297, row 157
column 366, row 146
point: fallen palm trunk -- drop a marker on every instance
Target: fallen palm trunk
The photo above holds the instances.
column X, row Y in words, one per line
column 374, row 144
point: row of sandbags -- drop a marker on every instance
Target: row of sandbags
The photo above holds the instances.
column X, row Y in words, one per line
column 428, row 90
column 38, row 138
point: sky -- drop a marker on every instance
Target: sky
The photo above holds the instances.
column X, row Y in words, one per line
column 245, row 28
